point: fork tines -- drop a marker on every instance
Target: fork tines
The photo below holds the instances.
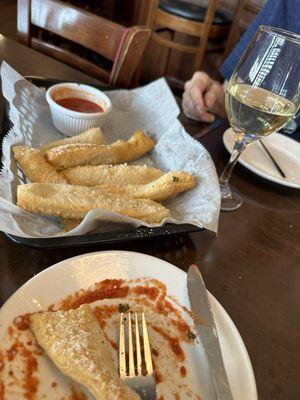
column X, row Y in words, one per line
column 141, row 364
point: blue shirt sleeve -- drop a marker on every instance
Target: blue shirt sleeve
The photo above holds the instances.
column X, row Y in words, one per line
column 283, row 14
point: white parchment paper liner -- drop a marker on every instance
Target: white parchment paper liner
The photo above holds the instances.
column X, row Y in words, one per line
column 151, row 108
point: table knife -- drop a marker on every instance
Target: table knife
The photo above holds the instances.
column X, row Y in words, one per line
column 207, row 332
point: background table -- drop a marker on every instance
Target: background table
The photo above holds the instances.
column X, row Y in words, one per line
column 252, row 266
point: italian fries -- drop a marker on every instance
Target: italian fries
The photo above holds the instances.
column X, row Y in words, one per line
column 72, row 155
column 90, row 175
column 161, row 189
column 69, row 201
column 35, row 167
column 92, row 135
column 73, row 176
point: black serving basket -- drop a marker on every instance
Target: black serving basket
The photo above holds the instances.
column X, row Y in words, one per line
column 89, row 239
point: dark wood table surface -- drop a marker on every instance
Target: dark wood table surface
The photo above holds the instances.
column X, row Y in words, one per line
column 252, row 266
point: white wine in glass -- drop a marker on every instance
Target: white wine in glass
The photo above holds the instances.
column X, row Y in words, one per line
column 262, row 96
column 254, row 112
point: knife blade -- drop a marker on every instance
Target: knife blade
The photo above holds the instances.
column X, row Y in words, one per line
column 207, row 332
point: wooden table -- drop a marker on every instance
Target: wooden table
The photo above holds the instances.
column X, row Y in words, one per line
column 252, row 267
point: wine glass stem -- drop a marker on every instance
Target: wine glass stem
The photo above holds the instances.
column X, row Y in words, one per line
column 239, row 146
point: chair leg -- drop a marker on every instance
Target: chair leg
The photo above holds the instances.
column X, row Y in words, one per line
column 140, row 12
column 199, row 55
column 152, row 6
column 169, row 54
column 203, row 40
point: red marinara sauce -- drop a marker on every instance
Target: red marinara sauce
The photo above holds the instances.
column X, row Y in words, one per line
column 79, row 105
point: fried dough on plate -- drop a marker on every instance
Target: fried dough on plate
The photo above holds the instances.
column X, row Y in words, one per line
column 70, row 201
column 73, row 155
column 92, row 135
column 124, row 174
column 35, row 166
column 78, row 347
column 162, row 188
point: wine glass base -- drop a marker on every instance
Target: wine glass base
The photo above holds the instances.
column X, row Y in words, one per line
column 230, row 200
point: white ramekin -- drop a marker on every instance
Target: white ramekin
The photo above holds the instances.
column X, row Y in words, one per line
column 71, row 122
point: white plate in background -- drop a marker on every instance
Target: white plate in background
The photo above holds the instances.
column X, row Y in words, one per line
column 285, row 151
column 66, row 277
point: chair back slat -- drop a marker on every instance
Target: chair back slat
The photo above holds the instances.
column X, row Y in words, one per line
column 73, row 60
column 172, row 25
column 132, row 50
column 23, row 22
column 79, row 26
column 208, row 20
column 239, row 23
column 123, row 46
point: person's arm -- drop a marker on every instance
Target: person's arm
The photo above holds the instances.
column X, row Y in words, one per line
column 203, row 98
column 279, row 13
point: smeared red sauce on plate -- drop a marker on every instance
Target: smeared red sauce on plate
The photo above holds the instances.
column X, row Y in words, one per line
column 79, row 105
column 107, row 289
column 10, row 330
column 183, row 371
column 1, row 361
column 12, row 351
column 113, row 344
column 183, row 328
column 130, row 295
column 22, row 322
column 76, row 395
column 164, row 307
column 157, row 376
column 1, row 390
column 173, row 342
column 150, row 291
column 30, row 382
column 104, row 312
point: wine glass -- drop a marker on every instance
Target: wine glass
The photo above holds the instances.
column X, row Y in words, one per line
column 262, row 96
column 292, row 125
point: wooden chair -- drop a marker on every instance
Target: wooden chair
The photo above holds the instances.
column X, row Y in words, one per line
column 121, row 48
column 179, row 16
column 245, row 13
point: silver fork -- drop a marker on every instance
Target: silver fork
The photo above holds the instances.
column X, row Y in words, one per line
column 137, row 372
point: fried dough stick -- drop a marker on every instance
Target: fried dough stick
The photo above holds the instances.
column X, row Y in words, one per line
column 35, row 166
column 92, row 135
column 73, row 155
column 162, row 188
column 124, row 174
column 78, row 347
column 69, row 201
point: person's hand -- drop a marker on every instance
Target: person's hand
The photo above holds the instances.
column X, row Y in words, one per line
column 203, row 98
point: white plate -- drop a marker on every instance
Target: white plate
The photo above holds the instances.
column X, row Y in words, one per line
column 286, row 152
column 66, row 277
